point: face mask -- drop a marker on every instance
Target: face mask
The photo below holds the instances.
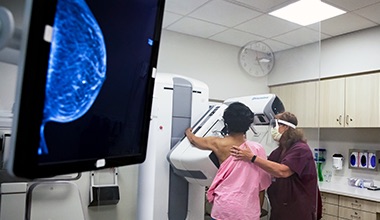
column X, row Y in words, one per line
column 276, row 135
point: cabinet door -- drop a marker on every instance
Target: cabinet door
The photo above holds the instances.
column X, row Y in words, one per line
column 347, row 213
column 301, row 100
column 329, row 198
column 305, row 108
column 285, row 94
column 331, row 102
column 329, row 217
column 357, row 204
column 330, row 209
column 362, row 101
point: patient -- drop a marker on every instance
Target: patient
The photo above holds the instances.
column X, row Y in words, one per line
column 237, row 191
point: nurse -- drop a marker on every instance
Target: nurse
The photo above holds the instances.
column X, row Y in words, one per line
column 294, row 192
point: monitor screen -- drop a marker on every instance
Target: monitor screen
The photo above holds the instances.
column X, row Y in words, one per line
column 85, row 88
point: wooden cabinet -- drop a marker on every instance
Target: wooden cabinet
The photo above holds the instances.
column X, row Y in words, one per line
column 284, row 93
column 347, row 213
column 300, row 99
column 353, row 208
column 331, row 102
column 330, row 208
column 357, row 204
column 343, row 207
column 362, row 100
column 350, row 101
column 330, row 211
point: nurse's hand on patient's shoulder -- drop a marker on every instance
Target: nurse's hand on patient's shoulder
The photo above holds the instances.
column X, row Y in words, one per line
column 244, row 153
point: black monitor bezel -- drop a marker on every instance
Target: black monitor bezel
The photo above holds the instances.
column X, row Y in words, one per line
column 23, row 159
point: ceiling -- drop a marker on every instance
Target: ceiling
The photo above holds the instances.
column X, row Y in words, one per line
column 237, row 22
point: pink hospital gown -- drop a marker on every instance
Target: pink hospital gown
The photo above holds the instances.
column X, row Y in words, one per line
column 235, row 189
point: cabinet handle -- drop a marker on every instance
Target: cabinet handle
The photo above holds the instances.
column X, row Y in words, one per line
column 355, row 217
column 347, row 118
column 340, row 120
column 355, row 204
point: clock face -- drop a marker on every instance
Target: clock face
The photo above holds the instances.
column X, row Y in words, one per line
column 256, row 58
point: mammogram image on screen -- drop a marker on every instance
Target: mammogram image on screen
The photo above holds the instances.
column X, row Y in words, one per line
column 99, row 83
column 85, row 85
column 77, row 65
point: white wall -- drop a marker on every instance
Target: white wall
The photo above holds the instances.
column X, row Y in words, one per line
column 297, row 64
column 214, row 63
column 351, row 53
column 340, row 141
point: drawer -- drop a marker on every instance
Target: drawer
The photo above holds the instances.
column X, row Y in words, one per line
column 329, row 217
column 357, row 204
column 329, row 198
column 330, row 209
column 348, row 213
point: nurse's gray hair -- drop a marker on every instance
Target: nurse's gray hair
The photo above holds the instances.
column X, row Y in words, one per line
column 290, row 136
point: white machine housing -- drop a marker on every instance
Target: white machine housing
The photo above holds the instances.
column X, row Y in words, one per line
column 265, row 106
column 174, row 176
column 178, row 102
column 195, row 165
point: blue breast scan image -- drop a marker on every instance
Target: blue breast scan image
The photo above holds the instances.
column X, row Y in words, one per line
column 77, row 65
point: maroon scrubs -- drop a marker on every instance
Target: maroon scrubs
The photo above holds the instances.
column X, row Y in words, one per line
column 294, row 197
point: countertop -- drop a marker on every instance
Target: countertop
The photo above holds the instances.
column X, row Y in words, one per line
column 351, row 191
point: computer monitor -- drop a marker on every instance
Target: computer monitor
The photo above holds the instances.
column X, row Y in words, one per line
column 85, row 86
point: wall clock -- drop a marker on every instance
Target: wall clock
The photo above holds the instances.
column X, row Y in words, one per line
column 256, row 58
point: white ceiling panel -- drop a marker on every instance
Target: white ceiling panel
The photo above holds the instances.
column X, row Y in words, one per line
column 371, row 12
column 183, row 7
column 278, row 33
column 345, row 23
column 236, row 22
column 236, row 37
column 263, row 5
column 298, row 37
column 350, row 5
column 196, row 27
column 227, row 14
column 267, row 26
column 170, row 18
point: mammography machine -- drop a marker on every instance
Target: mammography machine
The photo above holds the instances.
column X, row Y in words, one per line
column 173, row 178
column 200, row 166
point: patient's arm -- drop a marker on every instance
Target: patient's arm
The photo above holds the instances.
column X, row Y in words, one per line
column 203, row 143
